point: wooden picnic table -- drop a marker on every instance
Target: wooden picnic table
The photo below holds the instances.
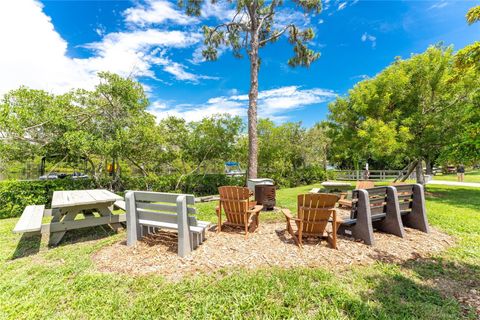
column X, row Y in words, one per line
column 334, row 186
column 96, row 206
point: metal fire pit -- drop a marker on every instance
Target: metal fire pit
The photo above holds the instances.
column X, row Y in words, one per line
column 265, row 195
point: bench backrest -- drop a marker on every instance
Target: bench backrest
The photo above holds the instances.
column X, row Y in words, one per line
column 377, row 198
column 405, row 194
column 159, row 206
column 411, row 200
column 147, row 208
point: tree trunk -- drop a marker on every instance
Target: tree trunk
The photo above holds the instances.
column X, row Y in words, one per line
column 429, row 167
column 252, row 108
column 419, row 172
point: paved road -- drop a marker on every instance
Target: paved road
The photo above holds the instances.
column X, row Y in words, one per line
column 455, row 183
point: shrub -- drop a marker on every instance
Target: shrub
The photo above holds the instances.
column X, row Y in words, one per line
column 16, row 195
column 301, row 176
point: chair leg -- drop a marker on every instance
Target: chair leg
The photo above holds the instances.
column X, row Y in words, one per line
column 300, row 229
column 245, row 221
column 292, row 233
column 219, row 225
column 334, row 230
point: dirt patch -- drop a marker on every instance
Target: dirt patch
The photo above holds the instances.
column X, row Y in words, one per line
column 270, row 245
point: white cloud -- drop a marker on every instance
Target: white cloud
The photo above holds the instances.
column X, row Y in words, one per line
column 368, row 37
column 288, row 16
column 100, row 30
column 273, row 103
column 220, row 10
column 137, row 51
column 36, row 55
column 337, row 5
column 438, row 5
column 156, row 12
column 163, row 11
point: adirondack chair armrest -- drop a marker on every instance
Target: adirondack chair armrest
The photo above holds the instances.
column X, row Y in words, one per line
column 255, row 209
column 288, row 214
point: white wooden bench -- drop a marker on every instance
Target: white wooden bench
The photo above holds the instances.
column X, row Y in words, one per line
column 31, row 220
column 149, row 211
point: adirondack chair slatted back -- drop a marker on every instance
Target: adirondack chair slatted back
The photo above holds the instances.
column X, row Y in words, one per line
column 314, row 211
column 235, row 202
column 377, row 198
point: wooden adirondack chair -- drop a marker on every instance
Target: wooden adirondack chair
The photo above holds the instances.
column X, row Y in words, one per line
column 347, row 203
column 314, row 212
column 235, row 201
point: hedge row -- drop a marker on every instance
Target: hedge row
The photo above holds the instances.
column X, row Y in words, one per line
column 15, row 195
column 298, row 177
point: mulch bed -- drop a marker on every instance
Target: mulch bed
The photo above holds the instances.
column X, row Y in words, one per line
column 269, row 245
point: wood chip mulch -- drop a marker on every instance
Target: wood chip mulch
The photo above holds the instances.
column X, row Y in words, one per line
column 269, row 245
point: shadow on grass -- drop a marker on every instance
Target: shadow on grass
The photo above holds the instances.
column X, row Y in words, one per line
column 86, row 234
column 27, row 245
column 446, row 290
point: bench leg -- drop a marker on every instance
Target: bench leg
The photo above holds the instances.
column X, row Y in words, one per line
column 393, row 221
column 56, row 237
column 362, row 229
column 417, row 218
column 107, row 212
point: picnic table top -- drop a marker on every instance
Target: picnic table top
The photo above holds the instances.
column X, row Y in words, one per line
column 70, row 198
column 335, row 184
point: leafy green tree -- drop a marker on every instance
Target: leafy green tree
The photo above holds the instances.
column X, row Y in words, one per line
column 317, row 145
column 281, row 147
column 470, row 55
column 253, row 26
column 116, row 107
column 35, row 123
column 411, row 110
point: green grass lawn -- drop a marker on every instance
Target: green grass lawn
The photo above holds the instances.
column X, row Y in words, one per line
column 59, row 283
column 472, row 176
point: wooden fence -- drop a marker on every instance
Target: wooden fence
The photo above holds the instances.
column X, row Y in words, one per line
column 371, row 175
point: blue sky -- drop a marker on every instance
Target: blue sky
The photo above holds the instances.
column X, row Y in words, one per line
column 59, row 45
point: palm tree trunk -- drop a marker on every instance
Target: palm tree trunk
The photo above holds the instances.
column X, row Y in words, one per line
column 252, row 108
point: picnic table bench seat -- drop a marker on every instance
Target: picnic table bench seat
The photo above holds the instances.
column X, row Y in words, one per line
column 120, row 204
column 31, row 220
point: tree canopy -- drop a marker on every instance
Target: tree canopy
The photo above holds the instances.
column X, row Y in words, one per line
column 415, row 109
